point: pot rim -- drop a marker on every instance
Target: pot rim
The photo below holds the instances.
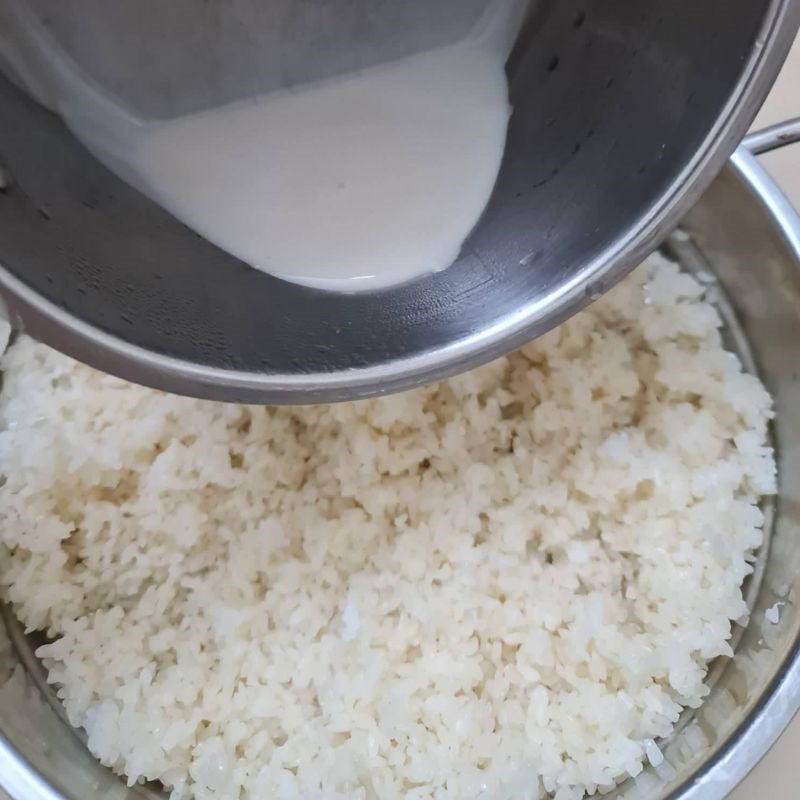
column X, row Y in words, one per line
column 780, row 701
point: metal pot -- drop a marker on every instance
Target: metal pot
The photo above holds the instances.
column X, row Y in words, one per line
column 623, row 114
column 743, row 239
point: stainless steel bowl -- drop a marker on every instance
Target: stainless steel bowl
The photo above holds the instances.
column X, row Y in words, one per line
column 624, row 111
column 743, row 240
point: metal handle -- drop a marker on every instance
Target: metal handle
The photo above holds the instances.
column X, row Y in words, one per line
column 773, row 137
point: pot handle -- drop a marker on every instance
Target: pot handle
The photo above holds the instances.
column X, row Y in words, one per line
column 773, row 137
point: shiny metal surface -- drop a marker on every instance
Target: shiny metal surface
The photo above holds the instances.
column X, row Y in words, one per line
column 206, row 54
column 743, row 240
column 775, row 136
column 624, row 112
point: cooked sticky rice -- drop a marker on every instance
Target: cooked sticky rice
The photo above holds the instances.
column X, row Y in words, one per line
column 504, row 585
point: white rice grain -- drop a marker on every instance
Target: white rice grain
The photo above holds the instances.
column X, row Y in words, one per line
column 508, row 583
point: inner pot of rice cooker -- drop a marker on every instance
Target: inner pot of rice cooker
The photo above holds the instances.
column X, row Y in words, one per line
column 623, row 113
column 742, row 221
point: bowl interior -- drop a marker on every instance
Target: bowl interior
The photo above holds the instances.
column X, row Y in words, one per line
column 612, row 101
column 732, row 243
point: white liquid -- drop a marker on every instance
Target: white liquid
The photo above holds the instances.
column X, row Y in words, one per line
column 361, row 182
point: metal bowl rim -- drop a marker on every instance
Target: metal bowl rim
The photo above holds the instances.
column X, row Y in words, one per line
column 780, row 701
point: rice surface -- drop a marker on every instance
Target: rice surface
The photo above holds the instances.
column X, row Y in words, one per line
column 507, row 584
